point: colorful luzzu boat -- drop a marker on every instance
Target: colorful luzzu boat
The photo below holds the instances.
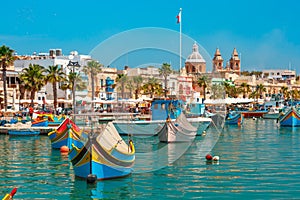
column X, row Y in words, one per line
column 66, row 134
column 105, row 155
column 53, row 120
column 290, row 118
column 40, row 123
column 234, row 119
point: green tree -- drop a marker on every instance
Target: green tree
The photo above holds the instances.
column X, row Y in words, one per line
column 152, row 87
column 165, row 71
column 6, row 59
column 55, row 75
column 34, row 79
column 203, row 83
column 121, row 81
column 93, row 68
column 284, row 91
column 137, row 80
column 245, row 88
column 130, row 86
column 71, row 78
column 259, row 90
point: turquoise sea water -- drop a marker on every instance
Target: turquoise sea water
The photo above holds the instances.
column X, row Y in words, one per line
column 258, row 160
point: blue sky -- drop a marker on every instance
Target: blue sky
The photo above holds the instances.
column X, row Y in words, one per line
column 265, row 32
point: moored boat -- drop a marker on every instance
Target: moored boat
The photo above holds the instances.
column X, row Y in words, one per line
column 177, row 131
column 291, row 117
column 40, row 123
column 234, row 118
column 161, row 109
column 105, row 155
column 23, row 132
column 273, row 113
column 66, row 134
column 254, row 113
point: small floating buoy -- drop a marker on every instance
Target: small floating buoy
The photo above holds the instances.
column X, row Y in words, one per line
column 64, row 149
column 216, row 158
column 208, row 157
column 91, row 178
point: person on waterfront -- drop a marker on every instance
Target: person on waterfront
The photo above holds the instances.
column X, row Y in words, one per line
column 30, row 111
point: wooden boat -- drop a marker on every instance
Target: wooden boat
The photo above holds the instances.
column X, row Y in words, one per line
column 290, row 118
column 105, row 155
column 254, row 113
column 40, row 123
column 23, row 132
column 66, row 134
column 54, row 120
column 177, row 131
column 10, row 195
column 234, row 118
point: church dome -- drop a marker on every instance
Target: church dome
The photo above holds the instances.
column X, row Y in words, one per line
column 195, row 57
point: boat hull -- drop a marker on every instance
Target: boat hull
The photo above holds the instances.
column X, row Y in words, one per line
column 173, row 132
column 235, row 120
column 23, row 132
column 66, row 135
column 139, row 128
column 256, row 114
column 271, row 116
column 290, row 118
column 105, row 156
column 40, row 123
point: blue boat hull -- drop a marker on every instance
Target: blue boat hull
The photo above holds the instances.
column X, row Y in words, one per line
column 66, row 134
column 234, row 120
column 103, row 161
column 291, row 118
column 101, row 171
column 23, row 132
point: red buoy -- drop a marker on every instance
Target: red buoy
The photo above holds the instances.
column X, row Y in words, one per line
column 208, row 157
column 64, row 149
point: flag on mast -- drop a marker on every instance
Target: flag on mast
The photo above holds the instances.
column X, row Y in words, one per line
column 179, row 17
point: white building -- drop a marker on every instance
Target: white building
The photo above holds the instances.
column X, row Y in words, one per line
column 278, row 75
column 54, row 57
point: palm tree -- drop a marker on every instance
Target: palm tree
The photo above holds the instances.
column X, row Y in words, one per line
column 165, row 71
column 152, row 87
column 6, row 58
column 33, row 79
column 284, row 91
column 55, row 75
column 130, row 86
column 260, row 89
column 121, row 79
column 227, row 87
column 245, row 89
column 93, row 68
column 71, row 79
column 202, row 82
column 137, row 80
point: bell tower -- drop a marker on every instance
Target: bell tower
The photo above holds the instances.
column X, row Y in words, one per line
column 234, row 62
column 217, row 61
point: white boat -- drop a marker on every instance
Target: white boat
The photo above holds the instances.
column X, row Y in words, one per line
column 273, row 113
column 160, row 111
column 179, row 130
